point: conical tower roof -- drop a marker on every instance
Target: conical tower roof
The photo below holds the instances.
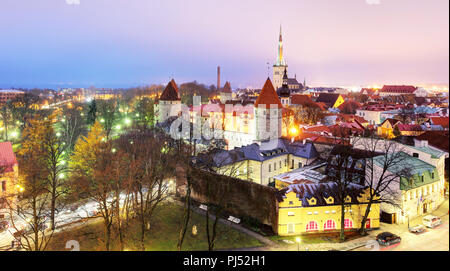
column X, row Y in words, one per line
column 227, row 88
column 268, row 96
column 171, row 92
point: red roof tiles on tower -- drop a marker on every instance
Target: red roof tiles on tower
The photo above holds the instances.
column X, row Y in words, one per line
column 171, row 92
column 268, row 96
column 227, row 87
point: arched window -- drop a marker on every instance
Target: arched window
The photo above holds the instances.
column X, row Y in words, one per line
column 312, row 226
column 329, row 225
column 348, row 224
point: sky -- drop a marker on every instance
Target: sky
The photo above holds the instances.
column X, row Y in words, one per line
column 125, row 43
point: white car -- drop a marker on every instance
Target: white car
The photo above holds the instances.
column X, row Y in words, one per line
column 431, row 221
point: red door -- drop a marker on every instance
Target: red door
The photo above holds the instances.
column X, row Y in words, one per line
column 368, row 223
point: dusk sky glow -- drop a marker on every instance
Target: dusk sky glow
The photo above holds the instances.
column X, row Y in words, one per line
column 125, row 43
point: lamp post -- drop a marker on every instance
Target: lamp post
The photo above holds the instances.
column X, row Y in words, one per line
column 298, row 243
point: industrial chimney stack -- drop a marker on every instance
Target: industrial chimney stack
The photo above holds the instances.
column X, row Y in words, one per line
column 218, row 77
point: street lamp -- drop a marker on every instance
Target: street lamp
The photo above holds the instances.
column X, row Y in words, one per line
column 298, row 240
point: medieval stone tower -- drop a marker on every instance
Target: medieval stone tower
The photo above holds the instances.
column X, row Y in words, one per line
column 169, row 103
column 268, row 114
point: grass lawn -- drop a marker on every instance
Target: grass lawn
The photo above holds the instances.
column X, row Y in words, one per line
column 162, row 236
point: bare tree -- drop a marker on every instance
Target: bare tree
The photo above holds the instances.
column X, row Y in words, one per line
column 151, row 164
column 385, row 167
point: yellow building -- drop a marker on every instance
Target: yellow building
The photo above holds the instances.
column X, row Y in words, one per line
column 260, row 163
column 386, row 129
column 314, row 208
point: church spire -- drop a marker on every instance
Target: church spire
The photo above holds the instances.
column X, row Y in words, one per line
column 280, row 59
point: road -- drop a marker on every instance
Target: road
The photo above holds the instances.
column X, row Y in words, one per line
column 436, row 239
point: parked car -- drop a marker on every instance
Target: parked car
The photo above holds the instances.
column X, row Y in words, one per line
column 431, row 221
column 417, row 229
column 388, row 238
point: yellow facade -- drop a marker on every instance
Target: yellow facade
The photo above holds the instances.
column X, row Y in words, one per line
column 293, row 219
column 386, row 130
column 340, row 100
column 262, row 172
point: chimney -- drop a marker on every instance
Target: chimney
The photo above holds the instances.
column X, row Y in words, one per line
column 218, row 77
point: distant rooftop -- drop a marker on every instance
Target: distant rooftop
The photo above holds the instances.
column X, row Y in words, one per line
column 10, row 91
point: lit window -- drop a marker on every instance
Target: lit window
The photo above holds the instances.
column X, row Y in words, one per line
column 311, row 226
column 348, row 223
column 329, row 225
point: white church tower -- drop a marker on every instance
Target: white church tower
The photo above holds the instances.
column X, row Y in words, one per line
column 280, row 65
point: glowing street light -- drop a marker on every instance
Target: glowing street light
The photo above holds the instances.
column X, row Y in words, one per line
column 298, row 240
column 102, row 120
column 118, row 127
column 127, row 121
column 293, row 131
column 58, row 134
column 61, row 175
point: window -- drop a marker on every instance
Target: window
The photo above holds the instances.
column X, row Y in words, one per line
column 280, row 164
column 292, row 163
column 290, row 213
column 4, row 186
column 432, row 175
column 312, row 226
column 416, row 155
column 300, row 165
column 329, row 225
column 270, row 168
column 348, row 223
column 421, row 178
column 274, row 166
column 291, row 203
column 291, row 228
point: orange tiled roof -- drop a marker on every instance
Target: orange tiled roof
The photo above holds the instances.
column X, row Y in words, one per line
column 171, row 92
column 268, row 96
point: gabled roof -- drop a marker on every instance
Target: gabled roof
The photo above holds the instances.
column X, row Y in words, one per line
column 443, row 121
column 227, row 88
column 393, row 122
column 398, row 89
column 7, row 157
column 268, row 96
column 328, row 98
column 320, row 191
column 171, row 92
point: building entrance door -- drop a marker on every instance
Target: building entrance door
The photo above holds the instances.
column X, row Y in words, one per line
column 425, row 207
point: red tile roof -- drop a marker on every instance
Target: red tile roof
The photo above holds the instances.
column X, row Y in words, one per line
column 171, row 92
column 437, row 139
column 443, row 121
column 302, row 100
column 227, row 88
column 409, row 127
column 7, row 157
column 398, row 89
column 268, row 96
